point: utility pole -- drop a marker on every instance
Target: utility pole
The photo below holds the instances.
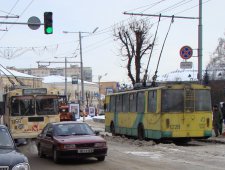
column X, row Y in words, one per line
column 65, row 93
column 49, row 62
column 81, row 66
column 82, row 78
column 200, row 43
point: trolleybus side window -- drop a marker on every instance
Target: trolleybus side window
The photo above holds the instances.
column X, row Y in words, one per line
column 202, row 100
column 152, row 99
column 125, row 103
column 132, row 102
column 119, row 103
column 172, row 100
column 141, row 102
column 112, row 103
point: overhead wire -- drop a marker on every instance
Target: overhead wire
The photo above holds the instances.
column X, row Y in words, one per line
column 17, row 18
column 109, row 29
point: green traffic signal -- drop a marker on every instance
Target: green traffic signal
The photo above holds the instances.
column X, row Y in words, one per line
column 49, row 30
column 48, row 23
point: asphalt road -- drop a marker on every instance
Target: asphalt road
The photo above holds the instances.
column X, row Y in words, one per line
column 130, row 154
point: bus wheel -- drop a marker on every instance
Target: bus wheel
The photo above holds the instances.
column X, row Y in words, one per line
column 112, row 129
column 140, row 132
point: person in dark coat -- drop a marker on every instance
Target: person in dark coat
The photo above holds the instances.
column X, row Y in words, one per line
column 217, row 120
column 223, row 111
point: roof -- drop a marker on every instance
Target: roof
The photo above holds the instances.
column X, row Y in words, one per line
column 15, row 73
column 179, row 75
column 61, row 79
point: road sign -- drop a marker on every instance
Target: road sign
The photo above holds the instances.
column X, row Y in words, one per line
column 186, row 52
column 186, row 65
column 34, row 23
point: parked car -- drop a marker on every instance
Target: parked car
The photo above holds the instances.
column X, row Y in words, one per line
column 10, row 157
column 70, row 139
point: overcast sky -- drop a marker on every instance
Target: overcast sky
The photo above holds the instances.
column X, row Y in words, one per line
column 22, row 47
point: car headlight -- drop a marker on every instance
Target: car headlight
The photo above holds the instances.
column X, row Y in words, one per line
column 100, row 144
column 21, row 166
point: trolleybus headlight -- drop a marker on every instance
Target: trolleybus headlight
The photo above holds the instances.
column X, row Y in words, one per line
column 21, row 166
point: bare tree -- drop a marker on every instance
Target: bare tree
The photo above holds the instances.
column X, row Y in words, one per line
column 134, row 45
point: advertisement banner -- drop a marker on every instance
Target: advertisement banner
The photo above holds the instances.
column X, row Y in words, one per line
column 75, row 110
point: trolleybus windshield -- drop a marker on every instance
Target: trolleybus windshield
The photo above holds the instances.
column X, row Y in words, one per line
column 22, row 106
column 47, row 105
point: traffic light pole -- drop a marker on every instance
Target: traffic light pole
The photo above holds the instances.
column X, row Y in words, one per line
column 20, row 23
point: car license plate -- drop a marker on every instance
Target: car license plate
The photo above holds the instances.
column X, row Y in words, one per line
column 85, row 150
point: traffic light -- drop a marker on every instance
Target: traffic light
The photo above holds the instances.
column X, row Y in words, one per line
column 48, row 23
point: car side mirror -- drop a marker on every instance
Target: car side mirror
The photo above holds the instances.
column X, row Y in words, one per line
column 97, row 133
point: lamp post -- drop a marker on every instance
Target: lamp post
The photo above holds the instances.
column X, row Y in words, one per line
column 81, row 65
column 99, row 89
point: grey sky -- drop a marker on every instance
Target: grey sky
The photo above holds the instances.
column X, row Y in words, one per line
column 99, row 50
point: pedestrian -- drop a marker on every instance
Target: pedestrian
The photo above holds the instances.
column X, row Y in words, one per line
column 217, row 120
column 223, row 111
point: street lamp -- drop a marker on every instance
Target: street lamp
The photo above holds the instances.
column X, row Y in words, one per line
column 99, row 89
column 81, row 64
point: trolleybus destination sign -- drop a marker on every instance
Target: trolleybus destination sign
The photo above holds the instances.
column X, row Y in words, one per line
column 186, row 52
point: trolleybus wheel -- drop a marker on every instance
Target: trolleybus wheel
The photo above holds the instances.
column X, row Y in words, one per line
column 140, row 132
column 112, row 129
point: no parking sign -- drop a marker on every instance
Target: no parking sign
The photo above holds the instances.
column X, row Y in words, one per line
column 186, row 52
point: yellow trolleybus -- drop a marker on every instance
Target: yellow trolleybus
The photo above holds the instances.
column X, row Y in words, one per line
column 27, row 111
column 175, row 111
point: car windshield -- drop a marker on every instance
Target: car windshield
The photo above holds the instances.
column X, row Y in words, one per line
column 72, row 129
column 5, row 139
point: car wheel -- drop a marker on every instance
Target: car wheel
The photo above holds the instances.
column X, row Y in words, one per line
column 40, row 152
column 101, row 158
column 55, row 156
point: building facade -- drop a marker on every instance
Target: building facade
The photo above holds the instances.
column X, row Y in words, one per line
column 43, row 71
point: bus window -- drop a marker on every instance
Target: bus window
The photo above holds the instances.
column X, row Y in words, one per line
column 172, row 100
column 125, row 103
column 202, row 100
column 112, row 103
column 22, row 106
column 141, row 102
column 46, row 105
column 152, row 99
column 132, row 102
column 119, row 103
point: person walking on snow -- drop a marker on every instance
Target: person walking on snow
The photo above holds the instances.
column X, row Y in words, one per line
column 217, row 120
column 223, row 111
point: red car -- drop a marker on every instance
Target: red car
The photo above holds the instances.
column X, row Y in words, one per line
column 70, row 139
